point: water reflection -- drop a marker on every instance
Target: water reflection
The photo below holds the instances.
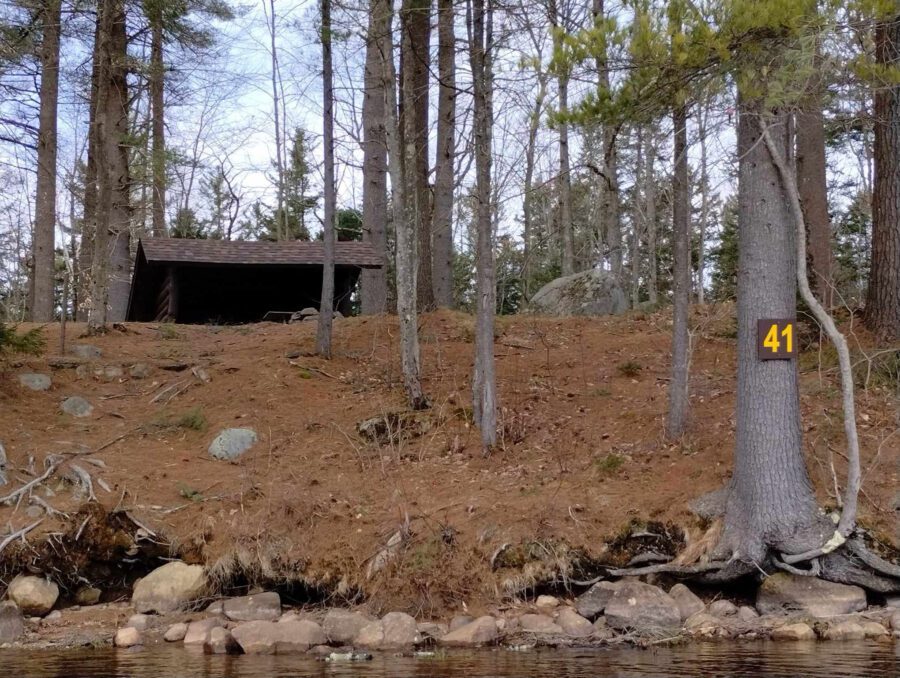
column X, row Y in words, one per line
column 719, row 660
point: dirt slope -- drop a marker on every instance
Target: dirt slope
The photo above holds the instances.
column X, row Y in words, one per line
column 314, row 503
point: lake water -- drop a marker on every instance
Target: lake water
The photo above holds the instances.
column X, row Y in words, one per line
column 714, row 660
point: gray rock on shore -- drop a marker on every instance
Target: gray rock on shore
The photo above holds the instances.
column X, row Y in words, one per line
column 266, row 637
column 76, row 406
column 169, row 588
column 642, row 608
column 478, row 632
column 257, row 607
column 592, row 602
column 786, row 593
column 197, row 632
column 34, row 596
column 231, row 443
column 35, row 382
column 343, row 626
column 12, row 624
column 687, row 601
column 220, row 641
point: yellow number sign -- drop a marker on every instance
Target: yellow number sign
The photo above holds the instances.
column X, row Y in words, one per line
column 775, row 339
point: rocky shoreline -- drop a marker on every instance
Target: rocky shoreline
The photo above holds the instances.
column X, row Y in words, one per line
column 170, row 605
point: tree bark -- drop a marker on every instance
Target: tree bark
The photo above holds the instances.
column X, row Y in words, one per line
column 373, row 293
column 640, row 217
column 813, row 188
column 883, row 297
column 771, row 503
column 484, row 387
column 326, row 304
column 564, row 181
column 401, row 155
column 281, row 226
column 157, row 106
column 528, row 198
column 681, row 229
column 43, row 301
column 415, row 68
column 442, row 259
column 702, row 122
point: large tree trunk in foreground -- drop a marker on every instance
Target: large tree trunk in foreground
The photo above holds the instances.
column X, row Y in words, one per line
column 373, row 287
column 401, row 156
column 681, row 227
column 771, row 503
column 44, row 273
column 442, row 251
column 326, row 303
column 484, row 387
column 812, row 185
column 116, row 146
column 564, row 179
column 883, row 298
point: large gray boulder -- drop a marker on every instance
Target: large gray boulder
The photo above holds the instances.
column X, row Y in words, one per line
column 687, row 601
column 35, row 596
column 232, row 443
column 573, row 623
column 265, row 637
column 591, row 293
column 35, row 382
column 787, row 593
column 168, row 588
column 343, row 626
column 642, row 608
column 481, row 631
column 77, row 406
column 592, row 602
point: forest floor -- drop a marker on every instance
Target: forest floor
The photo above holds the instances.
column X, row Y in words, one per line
column 582, row 461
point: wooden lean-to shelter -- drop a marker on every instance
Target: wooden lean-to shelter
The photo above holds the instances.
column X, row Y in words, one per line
column 221, row 281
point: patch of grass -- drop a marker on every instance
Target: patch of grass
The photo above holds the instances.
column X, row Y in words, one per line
column 601, row 392
column 189, row 493
column 629, row 368
column 610, row 464
column 31, row 342
column 192, row 420
column 168, row 332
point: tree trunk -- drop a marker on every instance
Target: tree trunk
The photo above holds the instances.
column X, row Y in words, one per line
column 702, row 121
column 484, row 388
column 442, row 259
column 771, row 503
column 640, row 217
column 681, row 230
column 43, row 302
column 281, row 227
column 119, row 177
column 527, row 199
column 813, row 188
column 401, row 155
column 883, row 298
column 89, row 217
column 326, row 304
column 373, row 294
column 157, row 106
column 564, row 183
column 415, row 65
column 650, row 225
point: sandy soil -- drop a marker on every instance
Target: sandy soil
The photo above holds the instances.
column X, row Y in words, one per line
column 311, row 506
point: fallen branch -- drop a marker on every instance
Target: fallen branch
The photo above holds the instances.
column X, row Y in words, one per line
column 14, row 496
column 9, row 539
column 847, row 521
column 312, row 369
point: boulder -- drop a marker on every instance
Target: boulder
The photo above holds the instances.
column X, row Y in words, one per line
column 573, row 624
column 539, row 623
column 85, row 351
column 747, row 614
column 35, row 382
column 35, row 596
column 701, row 621
column 590, row 293
column 460, row 620
column 88, row 595
column 592, row 602
column 77, row 406
column 547, row 601
column 370, row 635
column 873, row 629
column 797, row 631
column 53, row 618
column 12, row 624
column 232, row 443
column 342, row 626
column 127, row 636
column 139, row 371
column 723, row 608
column 895, row 620
column 481, row 631
column 788, row 593
column 169, row 588
column 432, row 630
column 175, row 632
column 642, row 608
column 602, row 630
column 220, row 641
column 400, row 631
column 844, row 630
column 258, row 607
column 138, row 621
column 197, row 632
column 266, row 637
column 687, row 601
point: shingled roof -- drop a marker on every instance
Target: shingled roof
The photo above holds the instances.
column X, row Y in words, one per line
column 255, row 253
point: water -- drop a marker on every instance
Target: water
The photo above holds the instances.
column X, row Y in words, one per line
column 719, row 660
